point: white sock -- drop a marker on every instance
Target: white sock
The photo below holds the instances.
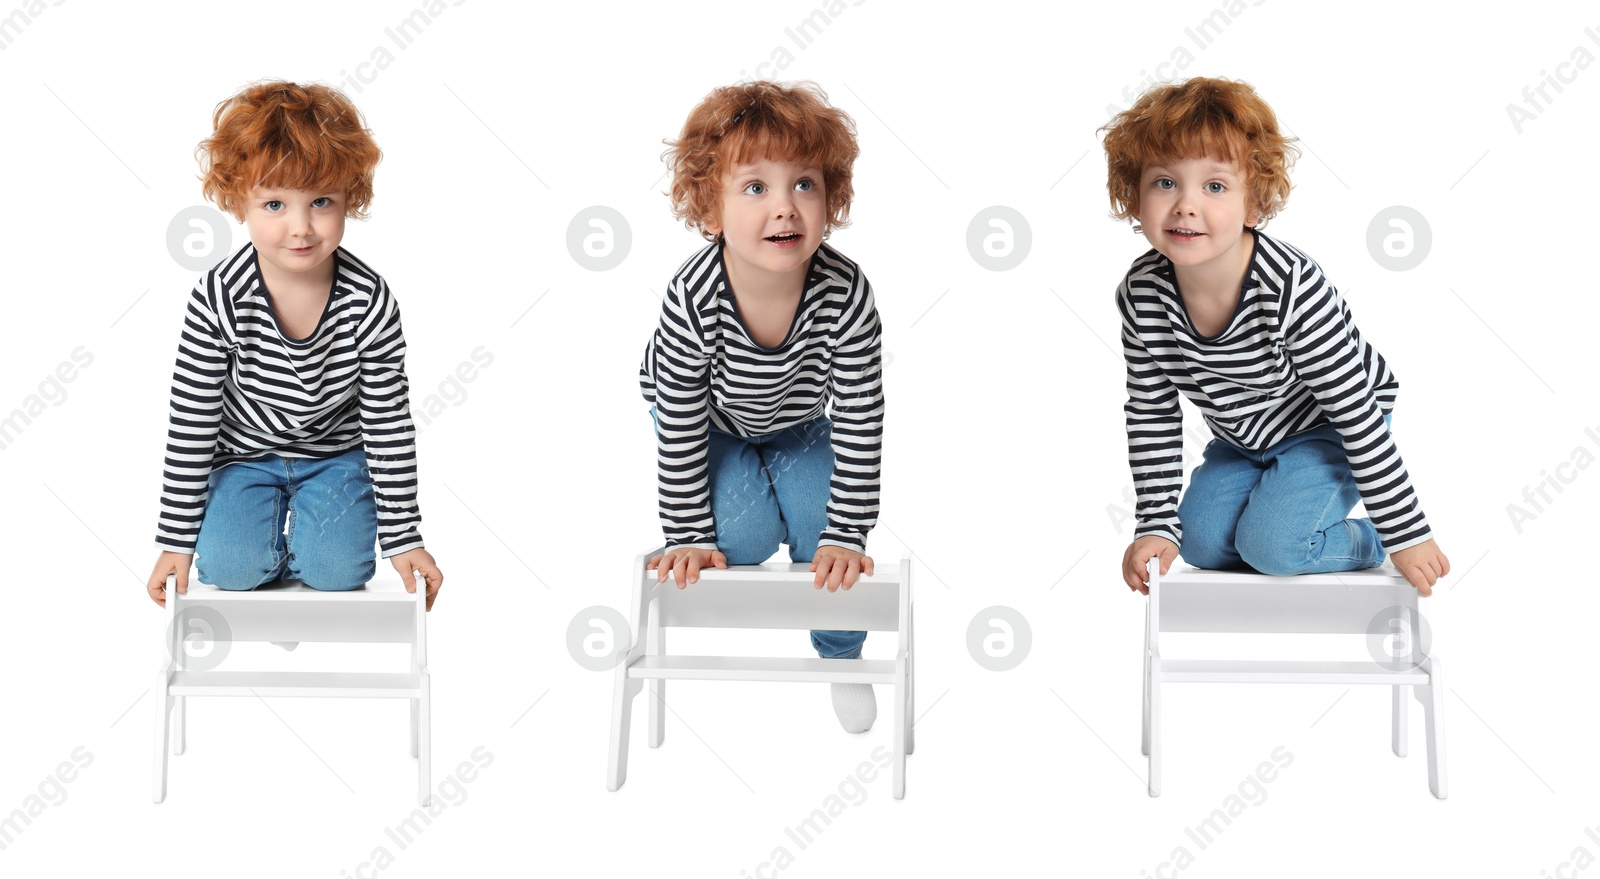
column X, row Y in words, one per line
column 855, row 705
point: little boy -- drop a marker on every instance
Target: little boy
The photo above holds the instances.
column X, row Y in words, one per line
column 290, row 393
column 758, row 331
column 1251, row 332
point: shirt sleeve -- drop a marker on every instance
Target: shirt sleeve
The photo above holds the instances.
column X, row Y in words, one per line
column 1155, row 431
column 679, row 361
column 1321, row 341
column 857, row 414
column 387, row 432
column 193, row 422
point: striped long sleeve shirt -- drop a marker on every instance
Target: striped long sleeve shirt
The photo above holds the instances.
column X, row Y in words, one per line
column 243, row 390
column 1289, row 360
column 702, row 369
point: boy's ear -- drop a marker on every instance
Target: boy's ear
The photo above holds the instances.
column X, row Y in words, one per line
column 712, row 224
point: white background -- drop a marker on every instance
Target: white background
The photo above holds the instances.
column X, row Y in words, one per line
column 1004, row 445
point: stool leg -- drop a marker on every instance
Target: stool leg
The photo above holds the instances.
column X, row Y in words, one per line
column 1399, row 707
column 901, row 736
column 1155, row 734
column 655, row 645
column 178, row 725
column 621, row 724
column 1144, row 728
column 911, row 682
column 415, row 705
column 1432, row 699
column 163, row 703
column 424, row 746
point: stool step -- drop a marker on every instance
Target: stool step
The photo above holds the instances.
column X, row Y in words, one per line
column 295, row 683
column 763, row 668
column 1270, row 671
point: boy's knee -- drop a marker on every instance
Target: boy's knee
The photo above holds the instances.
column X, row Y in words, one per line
column 1207, row 544
column 243, row 584
column 749, row 541
column 1275, row 565
column 1205, row 552
column 338, row 576
column 1272, row 551
column 236, row 574
column 749, row 552
column 337, row 586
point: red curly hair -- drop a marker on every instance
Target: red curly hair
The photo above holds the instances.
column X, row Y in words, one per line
column 742, row 123
column 278, row 134
column 1194, row 119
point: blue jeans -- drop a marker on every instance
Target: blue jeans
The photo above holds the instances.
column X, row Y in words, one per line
column 1281, row 511
column 774, row 489
column 329, row 545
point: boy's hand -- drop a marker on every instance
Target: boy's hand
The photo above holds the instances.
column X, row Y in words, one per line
column 836, row 566
column 1422, row 565
column 418, row 559
column 169, row 563
column 1136, row 559
column 684, row 564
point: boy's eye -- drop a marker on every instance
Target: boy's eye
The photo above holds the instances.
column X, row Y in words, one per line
column 274, row 205
column 805, row 184
column 755, row 188
column 1215, row 187
column 1164, row 183
column 322, row 202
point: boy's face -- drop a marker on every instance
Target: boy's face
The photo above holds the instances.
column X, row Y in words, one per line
column 772, row 217
column 1194, row 211
column 295, row 230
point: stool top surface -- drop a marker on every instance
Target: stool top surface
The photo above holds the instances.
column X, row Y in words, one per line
column 386, row 589
column 1384, row 574
column 788, row 572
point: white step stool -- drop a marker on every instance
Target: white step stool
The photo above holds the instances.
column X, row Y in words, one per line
column 1189, row 599
column 771, row 596
column 382, row 612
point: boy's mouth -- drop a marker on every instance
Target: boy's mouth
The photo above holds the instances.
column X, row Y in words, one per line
column 784, row 238
column 1184, row 234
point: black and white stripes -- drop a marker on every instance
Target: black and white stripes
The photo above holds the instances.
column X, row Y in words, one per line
column 1289, row 360
column 702, row 368
column 242, row 390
